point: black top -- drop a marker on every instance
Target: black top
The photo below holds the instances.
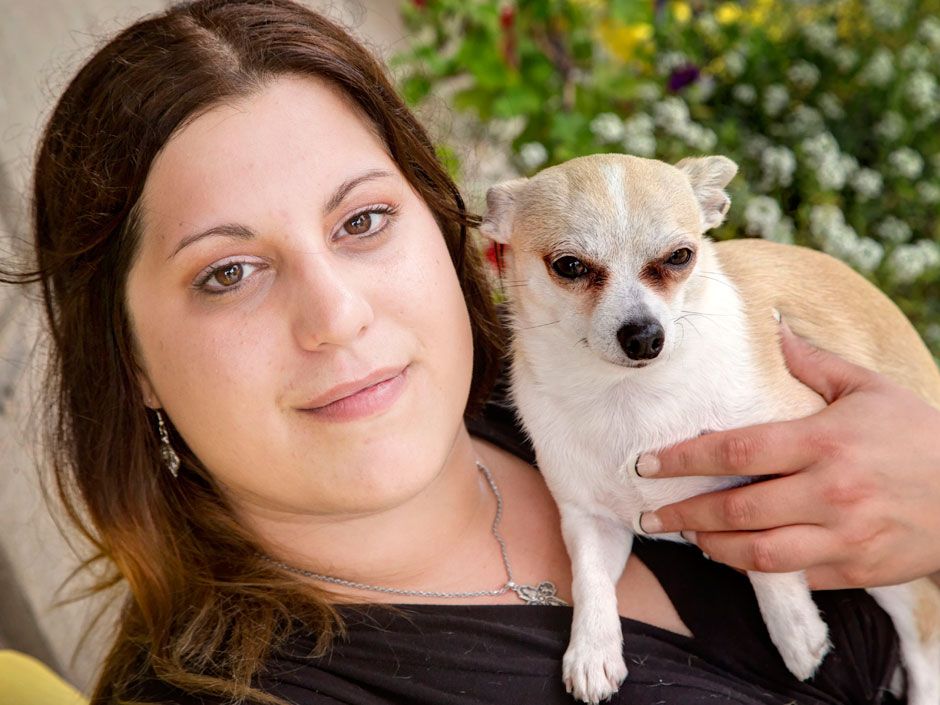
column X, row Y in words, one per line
column 474, row 654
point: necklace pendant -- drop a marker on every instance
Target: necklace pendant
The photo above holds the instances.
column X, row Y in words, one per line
column 542, row 594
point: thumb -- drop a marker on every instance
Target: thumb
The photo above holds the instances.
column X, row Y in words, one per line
column 824, row 372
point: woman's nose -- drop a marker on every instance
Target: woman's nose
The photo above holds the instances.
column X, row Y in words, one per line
column 331, row 305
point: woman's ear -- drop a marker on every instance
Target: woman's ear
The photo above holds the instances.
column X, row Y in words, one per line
column 146, row 390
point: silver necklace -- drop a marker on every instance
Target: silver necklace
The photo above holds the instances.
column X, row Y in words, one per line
column 542, row 594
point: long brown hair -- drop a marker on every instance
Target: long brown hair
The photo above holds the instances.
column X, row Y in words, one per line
column 204, row 611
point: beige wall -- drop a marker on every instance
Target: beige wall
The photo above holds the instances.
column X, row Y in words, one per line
column 42, row 42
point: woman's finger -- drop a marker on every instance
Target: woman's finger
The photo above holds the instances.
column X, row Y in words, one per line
column 782, row 550
column 761, row 505
column 766, row 449
column 824, row 372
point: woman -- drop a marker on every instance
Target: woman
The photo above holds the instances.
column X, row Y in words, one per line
column 270, row 333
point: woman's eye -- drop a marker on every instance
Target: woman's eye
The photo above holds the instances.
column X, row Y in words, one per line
column 569, row 267
column 680, row 257
column 225, row 277
column 359, row 224
column 369, row 222
column 229, row 275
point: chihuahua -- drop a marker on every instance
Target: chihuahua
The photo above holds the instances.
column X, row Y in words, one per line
column 632, row 331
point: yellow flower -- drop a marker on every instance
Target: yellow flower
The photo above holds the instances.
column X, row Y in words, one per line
column 623, row 40
column 716, row 67
column 728, row 13
column 682, row 12
column 760, row 11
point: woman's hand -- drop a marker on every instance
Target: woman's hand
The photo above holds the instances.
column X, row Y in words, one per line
column 857, row 500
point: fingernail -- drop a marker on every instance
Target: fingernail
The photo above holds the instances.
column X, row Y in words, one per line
column 689, row 536
column 650, row 523
column 647, row 465
column 777, row 317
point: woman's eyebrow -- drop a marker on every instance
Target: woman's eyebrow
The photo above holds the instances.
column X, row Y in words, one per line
column 344, row 188
column 233, row 230
column 244, row 233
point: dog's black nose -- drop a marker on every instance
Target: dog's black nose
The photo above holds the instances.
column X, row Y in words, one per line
column 643, row 340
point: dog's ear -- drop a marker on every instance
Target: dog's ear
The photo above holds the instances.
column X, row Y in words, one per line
column 501, row 210
column 709, row 176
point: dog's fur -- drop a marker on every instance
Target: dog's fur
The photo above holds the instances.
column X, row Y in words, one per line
column 591, row 410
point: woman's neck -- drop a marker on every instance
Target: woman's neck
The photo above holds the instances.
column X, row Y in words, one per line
column 439, row 539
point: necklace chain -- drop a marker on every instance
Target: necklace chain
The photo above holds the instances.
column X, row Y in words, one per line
column 542, row 594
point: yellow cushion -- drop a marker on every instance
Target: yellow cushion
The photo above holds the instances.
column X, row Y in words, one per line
column 27, row 681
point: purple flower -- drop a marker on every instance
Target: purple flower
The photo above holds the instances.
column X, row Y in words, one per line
column 682, row 77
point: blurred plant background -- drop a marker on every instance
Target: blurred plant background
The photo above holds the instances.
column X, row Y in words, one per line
column 830, row 108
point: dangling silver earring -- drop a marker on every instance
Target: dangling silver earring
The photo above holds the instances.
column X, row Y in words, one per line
column 170, row 458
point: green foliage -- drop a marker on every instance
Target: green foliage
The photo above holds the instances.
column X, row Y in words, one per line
column 830, row 108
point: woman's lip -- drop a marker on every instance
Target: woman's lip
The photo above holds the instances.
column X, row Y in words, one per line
column 369, row 400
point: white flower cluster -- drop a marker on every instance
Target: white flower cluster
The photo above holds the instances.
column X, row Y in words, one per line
column 907, row 162
column 879, row 71
column 929, row 31
column 867, row 184
column 776, row 98
column 638, row 135
column 669, row 61
column 894, row 230
column 831, row 106
column 778, row 165
column 762, row 216
column 744, row 93
column 805, row 120
column 607, row 127
column 921, row 89
column 702, row 90
column 908, row 263
column 804, row 75
column 890, row 127
column 533, row 155
column 833, row 168
column 820, row 37
column 648, row 92
column 845, row 57
column 932, row 335
column 928, row 192
column 735, row 63
column 672, row 115
column 887, row 14
column 839, row 239
column 915, row 56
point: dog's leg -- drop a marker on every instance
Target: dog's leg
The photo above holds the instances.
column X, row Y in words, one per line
column 593, row 666
column 792, row 619
column 915, row 610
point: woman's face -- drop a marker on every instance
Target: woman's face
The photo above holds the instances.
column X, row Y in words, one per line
column 295, row 309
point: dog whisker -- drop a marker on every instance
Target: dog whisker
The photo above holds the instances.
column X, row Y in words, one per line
column 542, row 325
column 704, row 275
column 681, row 330
column 681, row 318
column 707, row 314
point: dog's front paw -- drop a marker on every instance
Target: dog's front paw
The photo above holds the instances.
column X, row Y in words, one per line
column 593, row 672
column 793, row 621
column 804, row 645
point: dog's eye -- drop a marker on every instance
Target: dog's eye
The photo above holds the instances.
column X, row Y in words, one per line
column 680, row 257
column 569, row 267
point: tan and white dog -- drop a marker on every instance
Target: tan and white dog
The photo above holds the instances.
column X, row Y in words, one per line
column 610, row 268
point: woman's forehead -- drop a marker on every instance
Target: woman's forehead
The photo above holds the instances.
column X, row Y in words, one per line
column 289, row 143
